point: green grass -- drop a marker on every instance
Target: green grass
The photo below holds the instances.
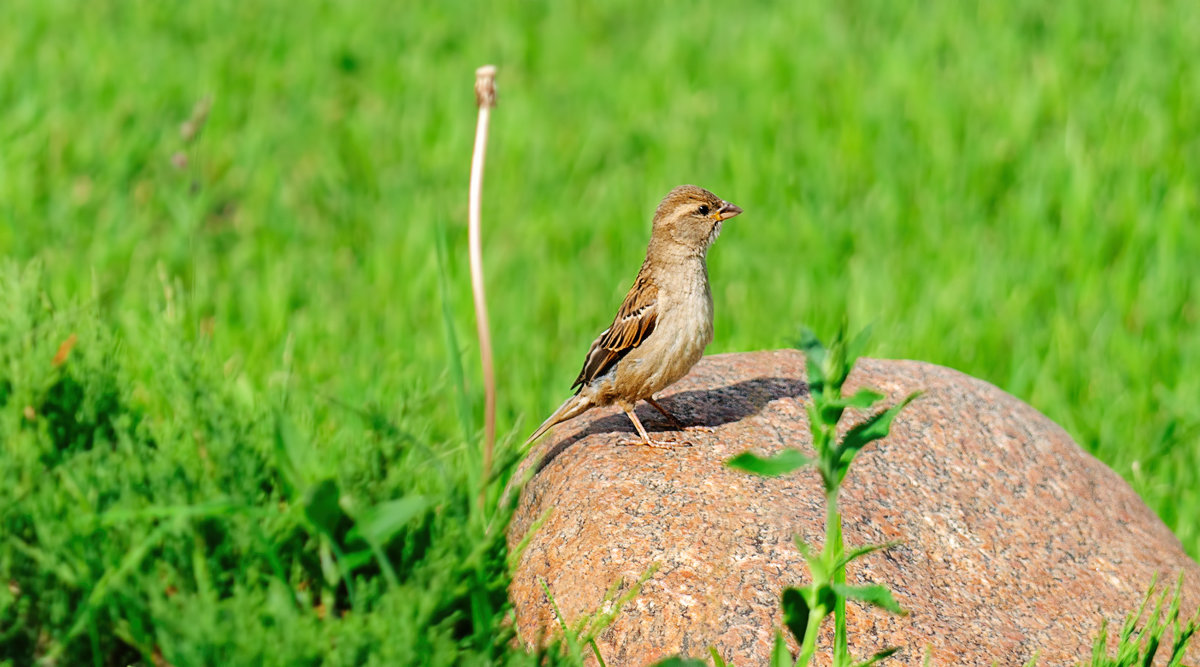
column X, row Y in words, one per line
column 1010, row 189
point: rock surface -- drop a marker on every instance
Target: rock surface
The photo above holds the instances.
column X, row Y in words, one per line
column 1014, row 540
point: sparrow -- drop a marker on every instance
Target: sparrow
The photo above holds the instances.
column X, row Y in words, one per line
column 664, row 323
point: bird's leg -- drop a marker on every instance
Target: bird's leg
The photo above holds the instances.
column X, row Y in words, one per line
column 670, row 417
column 642, row 429
column 678, row 424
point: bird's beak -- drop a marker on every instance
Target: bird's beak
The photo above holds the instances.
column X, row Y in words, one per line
column 727, row 211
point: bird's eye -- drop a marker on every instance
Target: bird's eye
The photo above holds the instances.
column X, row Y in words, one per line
column 703, row 210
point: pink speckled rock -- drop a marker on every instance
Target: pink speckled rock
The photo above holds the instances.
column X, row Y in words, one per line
column 1014, row 540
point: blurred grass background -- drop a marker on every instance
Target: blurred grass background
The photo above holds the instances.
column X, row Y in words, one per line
column 1009, row 189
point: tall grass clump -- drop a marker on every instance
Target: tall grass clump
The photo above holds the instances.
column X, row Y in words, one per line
column 805, row 608
column 1139, row 642
column 158, row 509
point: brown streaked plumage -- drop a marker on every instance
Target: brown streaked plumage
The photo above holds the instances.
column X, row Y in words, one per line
column 635, row 321
column 664, row 323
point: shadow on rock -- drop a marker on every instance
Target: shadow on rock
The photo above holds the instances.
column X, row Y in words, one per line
column 698, row 407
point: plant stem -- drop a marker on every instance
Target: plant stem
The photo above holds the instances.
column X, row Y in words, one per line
column 809, row 647
column 834, row 549
column 485, row 98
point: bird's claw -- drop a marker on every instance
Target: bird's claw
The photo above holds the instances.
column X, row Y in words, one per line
column 656, row 444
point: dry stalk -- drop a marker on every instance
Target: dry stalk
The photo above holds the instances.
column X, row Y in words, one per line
column 485, row 98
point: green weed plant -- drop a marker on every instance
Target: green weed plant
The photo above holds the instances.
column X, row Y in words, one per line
column 1139, row 645
column 806, row 607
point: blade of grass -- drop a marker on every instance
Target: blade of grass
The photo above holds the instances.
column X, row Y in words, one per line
column 772, row 466
column 453, row 352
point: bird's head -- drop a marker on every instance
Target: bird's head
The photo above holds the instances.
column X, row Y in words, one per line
column 691, row 217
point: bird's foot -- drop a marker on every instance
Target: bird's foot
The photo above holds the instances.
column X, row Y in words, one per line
column 701, row 428
column 650, row 442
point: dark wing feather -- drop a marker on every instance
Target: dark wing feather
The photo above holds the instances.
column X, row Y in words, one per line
column 634, row 322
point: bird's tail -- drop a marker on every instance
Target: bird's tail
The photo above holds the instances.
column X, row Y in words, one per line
column 572, row 407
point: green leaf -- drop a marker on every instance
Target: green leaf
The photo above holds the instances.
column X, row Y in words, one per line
column 676, row 661
column 1130, row 625
column 213, row 508
column 814, row 357
column 863, row 551
column 882, row 655
column 321, row 507
column 290, row 455
column 571, row 638
column 826, row 598
column 782, row 463
column 863, row 398
column 837, row 366
column 1100, row 645
column 379, row 524
column 779, row 653
column 795, row 613
column 1151, row 648
column 816, row 567
column 821, row 432
column 329, row 567
column 1182, row 638
column 453, row 351
column 352, row 560
column 873, row 594
column 855, row 348
column 717, row 660
column 832, row 411
column 872, row 428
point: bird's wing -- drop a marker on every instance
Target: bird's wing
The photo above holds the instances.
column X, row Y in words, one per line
column 633, row 325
